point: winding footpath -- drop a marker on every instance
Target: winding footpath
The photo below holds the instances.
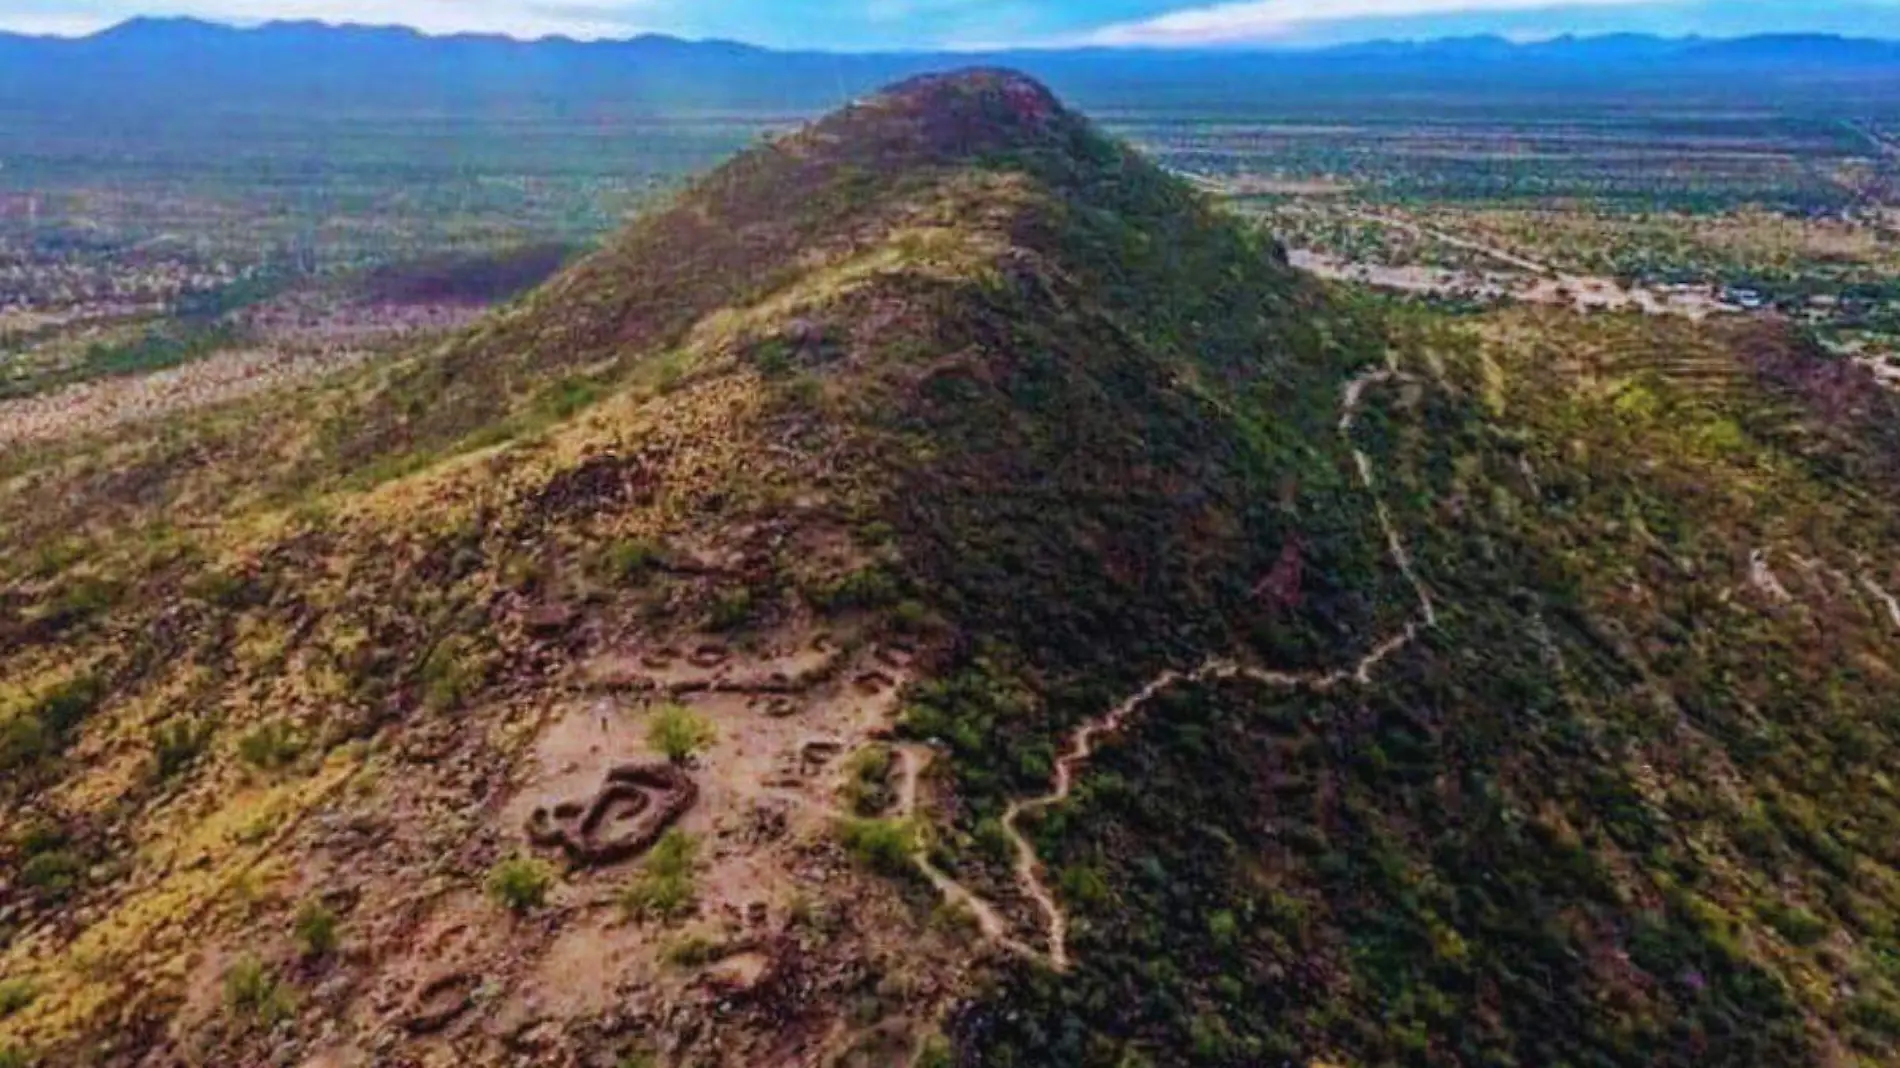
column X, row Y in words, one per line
column 1501, row 255
column 1081, row 746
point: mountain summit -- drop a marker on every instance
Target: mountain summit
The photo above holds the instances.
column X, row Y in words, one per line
column 941, row 591
column 851, row 480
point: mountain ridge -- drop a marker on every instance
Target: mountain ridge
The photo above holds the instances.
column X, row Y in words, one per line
column 315, row 65
column 162, row 25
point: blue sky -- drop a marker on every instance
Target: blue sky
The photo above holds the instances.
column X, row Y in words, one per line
column 860, row 24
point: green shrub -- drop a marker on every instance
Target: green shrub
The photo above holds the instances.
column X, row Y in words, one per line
column 676, row 853
column 220, row 588
column 867, row 787
column 54, row 874
column 730, row 611
column 774, row 357
column 80, row 601
column 1086, row 887
column 519, row 884
column 677, row 732
column 451, row 675
column 1873, row 1014
column 805, row 389
column 669, row 372
column 177, row 745
column 659, row 897
column 630, row 558
column 692, row 951
column 258, row 827
column 935, row 1053
column 16, row 994
column 992, row 841
column 43, row 836
column 67, row 706
column 1223, row 928
column 272, row 746
column 884, row 846
column 665, row 891
column 567, row 397
column 864, row 589
column 315, row 929
column 911, row 616
column 14, row 1057
column 36, row 734
column 253, row 994
column 24, row 742
column 1794, row 923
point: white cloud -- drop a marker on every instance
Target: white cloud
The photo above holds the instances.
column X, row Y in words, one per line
column 517, row 18
column 53, row 23
column 1266, row 20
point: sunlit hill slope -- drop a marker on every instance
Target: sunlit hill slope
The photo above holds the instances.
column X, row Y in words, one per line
column 685, row 665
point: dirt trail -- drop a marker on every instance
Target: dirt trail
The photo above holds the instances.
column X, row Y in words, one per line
column 1763, row 577
column 1504, row 256
column 1880, row 592
column 913, row 759
column 1547, row 284
column 1081, row 744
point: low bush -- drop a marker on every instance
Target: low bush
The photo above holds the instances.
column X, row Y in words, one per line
column 520, row 884
column 884, row 846
column 16, row 994
column 678, row 732
column 693, row 951
column 272, row 746
column 451, row 675
column 253, row 994
column 315, row 929
column 54, row 874
column 24, row 743
column 665, row 890
column 732, row 610
column 867, row 787
column 630, row 558
column 864, row 589
column 176, row 746
column 36, row 734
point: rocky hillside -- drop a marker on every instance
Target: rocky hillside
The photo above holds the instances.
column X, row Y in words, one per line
column 940, row 593
column 336, row 723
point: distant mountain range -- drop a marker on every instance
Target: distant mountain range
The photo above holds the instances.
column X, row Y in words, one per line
column 173, row 63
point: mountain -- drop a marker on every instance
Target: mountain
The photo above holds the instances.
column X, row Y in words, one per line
column 927, row 399
column 305, row 67
column 940, row 591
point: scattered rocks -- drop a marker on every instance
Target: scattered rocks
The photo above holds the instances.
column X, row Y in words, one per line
column 895, row 656
column 709, row 656
column 766, row 823
column 549, row 620
column 640, row 801
column 873, row 682
column 818, row 752
column 439, row 1001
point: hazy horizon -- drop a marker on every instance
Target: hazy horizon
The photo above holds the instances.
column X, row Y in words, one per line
column 924, row 25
